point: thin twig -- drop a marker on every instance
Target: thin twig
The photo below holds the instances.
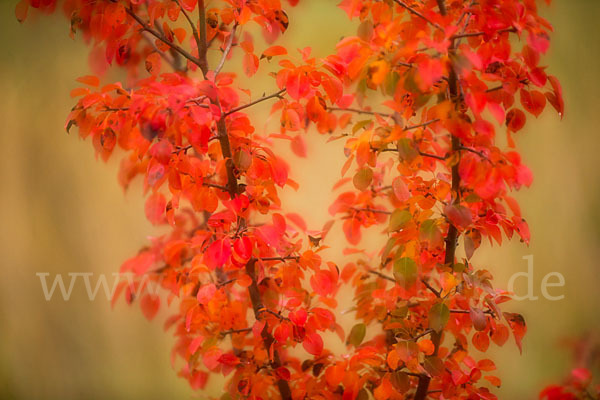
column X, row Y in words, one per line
column 424, row 124
column 358, row 111
column 372, row 210
column 162, row 38
column 192, row 24
column 431, row 288
column 418, row 14
column 234, row 331
column 240, row 108
column 214, row 185
column 382, row 276
column 475, row 34
column 226, row 50
column 286, row 258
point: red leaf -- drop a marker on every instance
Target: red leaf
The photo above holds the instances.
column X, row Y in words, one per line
column 515, row 120
column 274, row 51
column 89, row 80
column 155, row 208
column 21, row 10
column 283, row 373
column 400, row 189
column 150, row 305
column 533, row 101
column 481, row 341
column 518, row 326
column 299, row 146
column 500, row 335
column 459, row 216
column 556, row 98
column 206, row 293
column 313, row 344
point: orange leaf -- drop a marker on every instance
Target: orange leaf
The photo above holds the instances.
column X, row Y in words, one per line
column 21, row 10
column 89, row 80
column 150, row 305
column 274, row 51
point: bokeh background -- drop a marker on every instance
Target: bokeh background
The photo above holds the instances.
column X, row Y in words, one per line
column 61, row 211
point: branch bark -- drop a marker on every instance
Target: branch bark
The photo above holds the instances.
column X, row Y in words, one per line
column 452, row 236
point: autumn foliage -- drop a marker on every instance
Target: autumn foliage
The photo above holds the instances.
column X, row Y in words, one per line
column 430, row 98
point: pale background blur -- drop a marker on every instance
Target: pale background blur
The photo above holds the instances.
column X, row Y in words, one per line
column 62, row 211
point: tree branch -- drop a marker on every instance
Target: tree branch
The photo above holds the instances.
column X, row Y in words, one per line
column 203, row 49
column 192, row 25
column 240, row 108
column 162, row 38
column 382, row 276
column 372, row 210
column 226, row 50
column 475, row 34
column 452, row 236
column 418, row 14
column 282, row 385
column 358, row 111
column 431, row 288
column 234, row 331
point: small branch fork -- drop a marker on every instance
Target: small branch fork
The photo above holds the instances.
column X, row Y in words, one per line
column 163, row 39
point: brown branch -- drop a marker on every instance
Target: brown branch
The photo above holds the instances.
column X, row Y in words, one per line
column 424, row 333
column 452, row 236
column 296, row 258
column 455, row 311
column 382, row 276
column 437, row 293
column 372, row 210
column 162, row 38
column 255, row 298
column 192, row 25
column 500, row 87
column 173, row 62
column 203, row 49
column 234, row 331
column 424, row 124
column 475, row 34
column 358, row 111
column 226, row 50
column 240, row 108
column 214, row 185
column 418, row 14
column 479, row 153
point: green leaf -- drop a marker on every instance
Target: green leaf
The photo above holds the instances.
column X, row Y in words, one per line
column 365, row 30
column 400, row 381
column 434, row 366
column 391, row 82
column 242, row 160
column 429, row 232
column 357, row 335
column 388, row 248
column 405, row 272
column 360, row 125
column 406, row 150
column 438, row 316
column 362, row 179
column 459, row 267
column 407, row 350
column 363, row 394
column 398, row 219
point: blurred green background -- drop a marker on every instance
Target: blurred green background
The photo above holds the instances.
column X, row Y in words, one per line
column 63, row 211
